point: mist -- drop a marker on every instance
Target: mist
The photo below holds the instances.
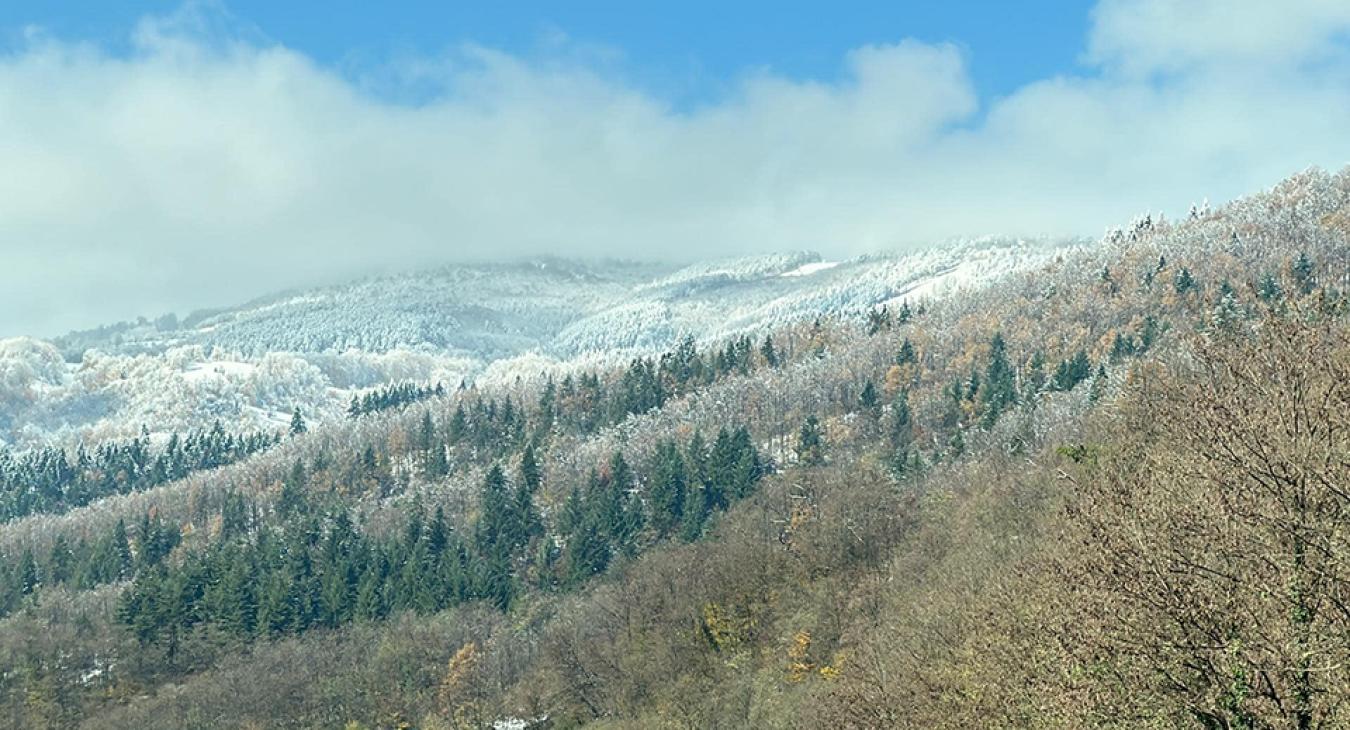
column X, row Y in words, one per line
column 204, row 165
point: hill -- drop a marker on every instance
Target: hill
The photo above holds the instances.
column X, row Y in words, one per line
column 252, row 365
column 1102, row 488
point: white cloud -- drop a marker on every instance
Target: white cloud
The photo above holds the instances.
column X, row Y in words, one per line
column 207, row 166
column 1143, row 36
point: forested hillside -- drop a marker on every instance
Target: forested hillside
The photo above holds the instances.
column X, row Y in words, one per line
column 487, row 324
column 1107, row 488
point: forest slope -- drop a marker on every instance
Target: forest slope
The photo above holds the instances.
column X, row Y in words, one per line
column 1034, row 506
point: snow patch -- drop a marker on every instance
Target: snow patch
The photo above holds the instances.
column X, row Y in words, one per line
column 218, row 369
column 808, row 269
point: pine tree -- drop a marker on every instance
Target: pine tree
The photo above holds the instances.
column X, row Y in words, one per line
column 810, row 443
column 458, row 425
column 497, row 522
column 768, row 352
column 868, row 400
column 698, row 501
column 28, row 577
column 1301, row 271
column 1035, row 379
column 902, row 422
column 587, row 552
column 667, row 492
column 121, row 550
column 276, row 606
column 297, row 423
column 877, row 320
column 1098, row 388
column 526, row 516
column 623, row 512
column 1183, row 282
column 906, row 353
column 292, row 501
column 956, row 445
column 1000, row 391
column 694, row 513
column 370, row 604
column 1269, row 289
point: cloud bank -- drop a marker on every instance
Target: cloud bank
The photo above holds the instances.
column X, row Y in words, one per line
column 204, row 165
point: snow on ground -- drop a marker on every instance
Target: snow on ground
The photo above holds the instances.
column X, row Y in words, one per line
column 488, row 324
column 219, row 368
column 808, row 269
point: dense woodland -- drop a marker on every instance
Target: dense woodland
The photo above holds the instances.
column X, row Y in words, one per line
column 1109, row 492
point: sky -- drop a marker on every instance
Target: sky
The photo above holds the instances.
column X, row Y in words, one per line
column 162, row 156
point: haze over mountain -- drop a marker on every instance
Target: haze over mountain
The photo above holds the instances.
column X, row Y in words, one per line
column 188, row 159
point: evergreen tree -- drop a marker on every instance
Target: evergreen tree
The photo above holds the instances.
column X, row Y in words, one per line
column 1000, row 390
column 370, row 604
column 623, row 510
column 292, row 501
column 587, row 552
column 1098, row 388
column 121, row 550
column 1269, row 289
column 1183, row 282
column 496, row 584
column 28, row 576
column 906, row 353
column 458, row 425
column 498, row 526
column 1035, row 375
column 868, row 400
column 276, row 605
column 902, row 423
column 810, row 443
column 956, row 445
column 297, row 423
column 877, row 320
column 768, row 352
column 697, row 502
column 1301, row 271
column 668, row 485
column 528, row 523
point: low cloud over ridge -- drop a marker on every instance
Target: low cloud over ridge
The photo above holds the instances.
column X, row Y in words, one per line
column 205, row 166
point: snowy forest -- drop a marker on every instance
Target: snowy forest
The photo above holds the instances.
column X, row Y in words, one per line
column 998, row 485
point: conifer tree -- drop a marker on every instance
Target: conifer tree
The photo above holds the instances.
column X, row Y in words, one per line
column 905, row 354
column 902, row 422
column 526, row 516
column 1000, row 387
column 768, row 352
column 810, row 443
column 1301, row 271
column 667, row 491
column 292, row 501
column 623, row 510
column 297, row 423
column 1269, row 289
column 1098, row 387
column 868, row 400
column 370, row 596
column 1183, row 282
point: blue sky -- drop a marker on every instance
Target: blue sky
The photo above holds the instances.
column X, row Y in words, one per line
column 686, row 51
column 165, row 157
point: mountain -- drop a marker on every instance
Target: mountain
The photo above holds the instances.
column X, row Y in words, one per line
column 1009, row 486
column 315, row 349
